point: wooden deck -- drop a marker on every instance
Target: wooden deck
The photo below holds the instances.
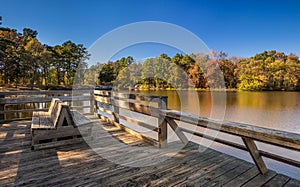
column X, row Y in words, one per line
column 79, row 165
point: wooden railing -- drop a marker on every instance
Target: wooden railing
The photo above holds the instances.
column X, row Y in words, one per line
column 156, row 106
column 14, row 104
column 111, row 102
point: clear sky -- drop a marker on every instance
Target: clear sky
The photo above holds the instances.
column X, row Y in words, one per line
column 239, row 28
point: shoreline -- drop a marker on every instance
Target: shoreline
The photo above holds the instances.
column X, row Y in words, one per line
column 8, row 88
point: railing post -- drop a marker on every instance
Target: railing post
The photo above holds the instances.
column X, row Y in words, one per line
column 2, row 108
column 162, row 123
column 115, row 113
column 115, row 108
column 92, row 102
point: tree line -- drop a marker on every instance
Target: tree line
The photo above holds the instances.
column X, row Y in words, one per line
column 24, row 60
column 269, row 70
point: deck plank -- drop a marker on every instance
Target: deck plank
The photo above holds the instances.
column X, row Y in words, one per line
column 227, row 176
column 79, row 164
column 166, row 169
column 292, row 183
column 211, row 175
column 260, row 180
column 204, row 166
column 243, row 178
column 277, row 181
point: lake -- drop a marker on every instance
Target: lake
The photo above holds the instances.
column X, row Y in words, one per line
column 276, row 110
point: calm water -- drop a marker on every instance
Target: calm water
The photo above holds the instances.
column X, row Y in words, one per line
column 276, row 110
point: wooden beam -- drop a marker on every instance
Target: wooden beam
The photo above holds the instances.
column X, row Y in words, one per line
column 162, row 124
column 102, row 93
column 116, row 113
column 131, row 120
column 177, row 130
column 274, row 137
column 92, row 103
column 22, row 110
column 36, row 110
column 244, row 148
column 45, row 92
column 79, row 107
column 136, row 96
column 2, row 109
column 102, row 99
column 136, row 122
column 140, row 108
column 42, row 99
column 252, row 148
column 104, row 110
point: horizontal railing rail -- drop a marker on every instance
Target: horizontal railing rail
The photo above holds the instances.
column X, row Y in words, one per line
column 14, row 103
column 248, row 133
column 266, row 135
column 44, row 92
column 42, row 99
column 146, row 105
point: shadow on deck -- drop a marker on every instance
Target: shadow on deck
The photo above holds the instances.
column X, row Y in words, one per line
column 111, row 159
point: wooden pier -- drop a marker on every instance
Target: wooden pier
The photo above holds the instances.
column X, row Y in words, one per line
column 86, row 164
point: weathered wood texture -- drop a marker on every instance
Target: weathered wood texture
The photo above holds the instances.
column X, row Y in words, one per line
column 58, row 126
column 46, row 92
column 162, row 124
column 270, row 136
column 42, row 99
column 146, row 105
column 28, row 97
column 248, row 133
column 79, row 165
column 204, row 169
column 256, row 156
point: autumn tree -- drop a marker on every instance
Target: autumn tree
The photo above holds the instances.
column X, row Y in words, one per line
column 269, row 70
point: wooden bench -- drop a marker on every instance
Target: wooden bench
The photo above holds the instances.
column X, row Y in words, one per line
column 58, row 126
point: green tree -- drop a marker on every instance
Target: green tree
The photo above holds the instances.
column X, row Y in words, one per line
column 129, row 77
column 29, row 33
column 177, row 59
column 269, row 70
column 147, row 74
column 106, row 74
column 69, row 58
column 91, row 74
column 11, row 45
column 35, row 51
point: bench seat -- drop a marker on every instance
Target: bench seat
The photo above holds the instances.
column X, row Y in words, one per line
column 58, row 125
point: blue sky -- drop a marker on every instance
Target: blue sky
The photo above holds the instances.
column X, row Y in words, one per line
column 239, row 28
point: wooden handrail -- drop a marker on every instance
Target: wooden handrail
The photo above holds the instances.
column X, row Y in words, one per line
column 13, row 98
column 248, row 133
column 42, row 99
column 270, row 136
column 244, row 148
column 138, row 97
column 147, row 105
column 45, row 92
